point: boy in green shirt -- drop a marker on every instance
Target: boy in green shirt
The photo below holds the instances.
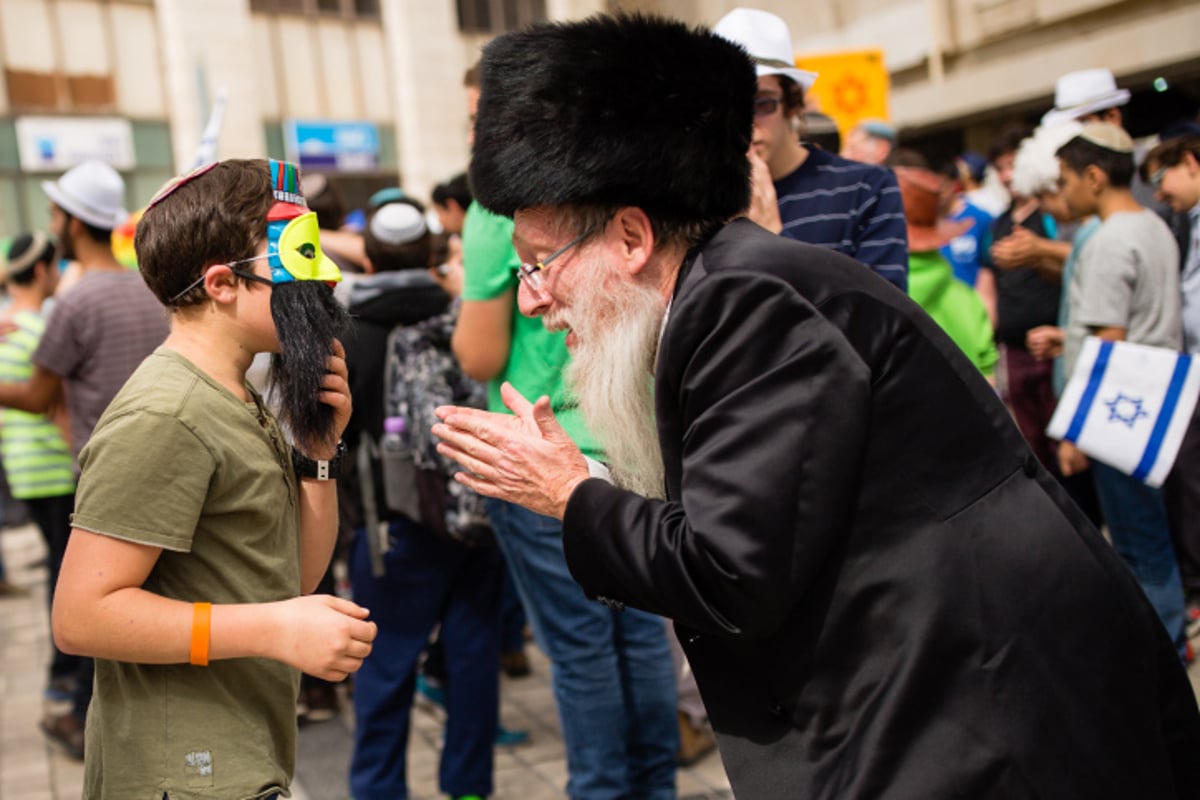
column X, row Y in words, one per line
column 197, row 529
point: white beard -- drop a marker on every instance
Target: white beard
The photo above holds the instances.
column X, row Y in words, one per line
column 611, row 375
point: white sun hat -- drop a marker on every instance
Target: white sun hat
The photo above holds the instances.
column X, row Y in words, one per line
column 1084, row 92
column 92, row 192
column 767, row 39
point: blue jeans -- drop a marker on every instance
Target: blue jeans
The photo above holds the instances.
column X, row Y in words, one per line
column 427, row 580
column 612, row 675
column 1137, row 522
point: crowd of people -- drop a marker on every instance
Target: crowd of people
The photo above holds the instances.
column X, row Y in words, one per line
column 747, row 433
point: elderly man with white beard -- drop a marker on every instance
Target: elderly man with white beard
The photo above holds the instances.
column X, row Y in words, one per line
column 880, row 590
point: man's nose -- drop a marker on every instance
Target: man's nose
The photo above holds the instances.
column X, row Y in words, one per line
column 531, row 302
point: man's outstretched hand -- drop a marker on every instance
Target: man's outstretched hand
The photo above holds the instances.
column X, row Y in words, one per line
column 525, row 458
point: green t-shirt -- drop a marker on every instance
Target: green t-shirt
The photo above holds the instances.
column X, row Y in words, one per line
column 536, row 357
column 178, row 462
column 954, row 306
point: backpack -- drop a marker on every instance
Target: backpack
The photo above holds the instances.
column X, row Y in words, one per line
column 420, row 374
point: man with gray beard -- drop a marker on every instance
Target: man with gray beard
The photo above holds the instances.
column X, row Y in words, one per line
column 881, row 591
column 611, row 672
column 611, row 375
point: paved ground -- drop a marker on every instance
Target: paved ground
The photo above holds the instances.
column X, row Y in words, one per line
column 31, row 769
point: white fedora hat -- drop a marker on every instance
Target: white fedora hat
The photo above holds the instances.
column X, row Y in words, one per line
column 1084, row 92
column 767, row 39
column 93, row 192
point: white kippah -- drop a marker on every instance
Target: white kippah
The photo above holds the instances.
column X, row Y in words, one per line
column 398, row 223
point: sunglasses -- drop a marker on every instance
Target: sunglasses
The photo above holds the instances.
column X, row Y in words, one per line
column 766, row 106
column 241, row 273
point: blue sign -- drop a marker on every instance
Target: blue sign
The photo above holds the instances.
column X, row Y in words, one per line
column 322, row 144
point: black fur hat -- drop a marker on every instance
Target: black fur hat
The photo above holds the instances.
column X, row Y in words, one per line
column 613, row 111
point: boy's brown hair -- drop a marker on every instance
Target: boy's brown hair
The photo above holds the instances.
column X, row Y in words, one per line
column 392, row 256
column 1169, row 154
column 215, row 217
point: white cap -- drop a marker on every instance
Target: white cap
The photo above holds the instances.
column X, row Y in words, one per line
column 93, row 192
column 1084, row 92
column 767, row 39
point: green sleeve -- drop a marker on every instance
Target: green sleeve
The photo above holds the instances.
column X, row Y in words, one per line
column 144, row 479
column 489, row 260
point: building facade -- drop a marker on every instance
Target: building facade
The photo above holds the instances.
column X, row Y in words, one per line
column 371, row 90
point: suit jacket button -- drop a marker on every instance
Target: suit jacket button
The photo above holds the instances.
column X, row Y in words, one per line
column 776, row 710
column 1031, row 465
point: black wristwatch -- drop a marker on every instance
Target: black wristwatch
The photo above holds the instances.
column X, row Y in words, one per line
column 319, row 470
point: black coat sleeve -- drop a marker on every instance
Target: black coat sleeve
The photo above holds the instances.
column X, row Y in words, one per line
column 762, row 413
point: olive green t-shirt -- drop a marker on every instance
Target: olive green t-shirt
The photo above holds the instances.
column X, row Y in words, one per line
column 536, row 357
column 178, row 462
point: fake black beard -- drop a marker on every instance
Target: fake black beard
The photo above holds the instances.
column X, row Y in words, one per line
column 307, row 320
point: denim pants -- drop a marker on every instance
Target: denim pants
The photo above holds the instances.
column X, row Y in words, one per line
column 427, row 580
column 1137, row 521
column 613, row 678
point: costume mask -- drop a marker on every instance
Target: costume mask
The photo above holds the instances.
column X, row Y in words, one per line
column 293, row 239
column 307, row 317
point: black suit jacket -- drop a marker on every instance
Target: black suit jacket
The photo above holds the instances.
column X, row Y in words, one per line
column 880, row 591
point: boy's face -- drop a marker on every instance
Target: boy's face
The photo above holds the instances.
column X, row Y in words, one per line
column 451, row 216
column 771, row 130
column 1003, row 165
column 1077, row 190
column 1055, row 205
column 254, row 303
column 1178, row 186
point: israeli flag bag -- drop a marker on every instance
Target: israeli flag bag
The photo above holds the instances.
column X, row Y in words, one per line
column 1128, row 405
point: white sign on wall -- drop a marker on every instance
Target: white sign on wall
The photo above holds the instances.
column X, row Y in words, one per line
column 54, row 144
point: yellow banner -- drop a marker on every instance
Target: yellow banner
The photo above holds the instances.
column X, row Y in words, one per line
column 853, row 85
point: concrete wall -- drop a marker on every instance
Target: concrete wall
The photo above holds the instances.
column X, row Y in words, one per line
column 953, row 62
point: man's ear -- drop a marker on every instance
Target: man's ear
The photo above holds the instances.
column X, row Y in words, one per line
column 635, row 235
column 1097, row 179
column 220, row 283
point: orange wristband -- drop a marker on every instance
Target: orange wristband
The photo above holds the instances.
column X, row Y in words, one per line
column 201, row 632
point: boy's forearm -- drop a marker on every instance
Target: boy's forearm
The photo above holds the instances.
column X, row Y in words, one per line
column 318, row 530
column 138, row 626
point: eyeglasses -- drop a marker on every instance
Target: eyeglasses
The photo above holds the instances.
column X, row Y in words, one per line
column 1157, row 178
column 241, row 273
column 531, row 274
column 766, row 106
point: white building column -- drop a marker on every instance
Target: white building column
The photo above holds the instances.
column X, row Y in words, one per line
column 207, row 46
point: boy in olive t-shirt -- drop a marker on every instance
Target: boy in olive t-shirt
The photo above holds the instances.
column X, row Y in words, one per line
column 197, row 528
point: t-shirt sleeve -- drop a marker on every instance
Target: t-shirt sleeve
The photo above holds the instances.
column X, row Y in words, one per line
column 1107, row 280
column 144, row 479
column 490, row 262
column 60, row 349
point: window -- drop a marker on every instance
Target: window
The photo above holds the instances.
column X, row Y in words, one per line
column 498, row 16
column 341, row 8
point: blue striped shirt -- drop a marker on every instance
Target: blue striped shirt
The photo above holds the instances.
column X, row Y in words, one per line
column 850, row 207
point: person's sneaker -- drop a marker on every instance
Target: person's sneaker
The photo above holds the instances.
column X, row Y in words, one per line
column 10, row 589
column 65, row 731
column 509, row 738
column 1192, row 615
column 60, row 689
column 695, row 741
column 515, row 664
column 320, row 702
